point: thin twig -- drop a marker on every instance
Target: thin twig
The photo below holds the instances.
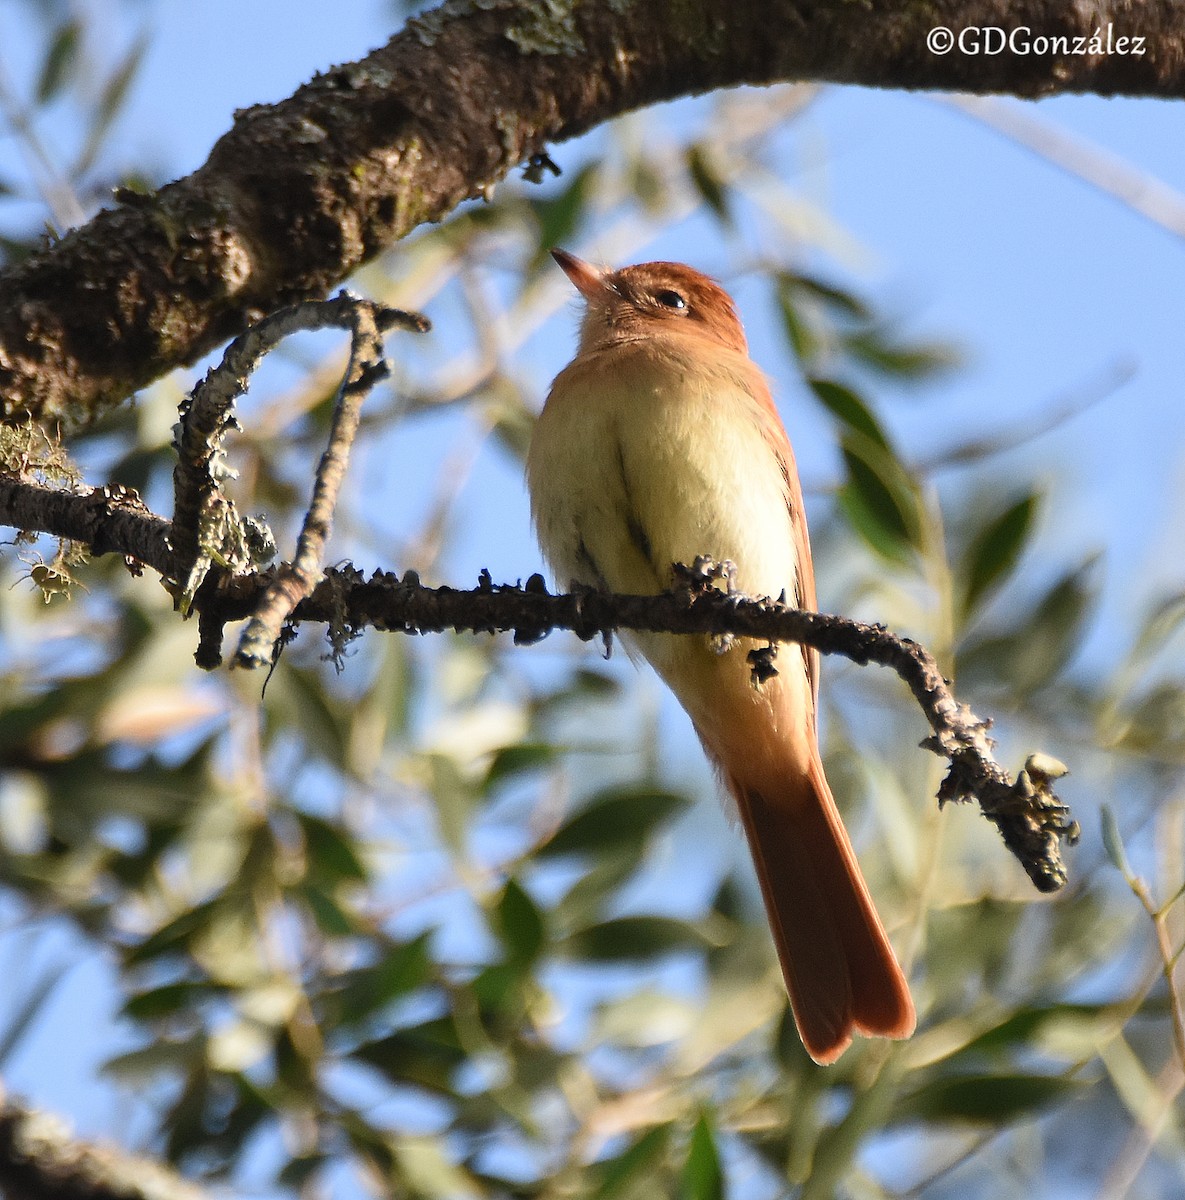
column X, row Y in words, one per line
column 1168, row 959
column 1056, row 413
column 1141, row 191
column 207, row 530
column 295, row 580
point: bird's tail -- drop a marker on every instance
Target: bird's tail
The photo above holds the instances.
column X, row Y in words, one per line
column 840, row 970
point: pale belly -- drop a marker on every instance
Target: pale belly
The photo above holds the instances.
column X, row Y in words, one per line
column 658, row 469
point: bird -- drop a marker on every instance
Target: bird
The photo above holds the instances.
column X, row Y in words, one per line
column 660, row 443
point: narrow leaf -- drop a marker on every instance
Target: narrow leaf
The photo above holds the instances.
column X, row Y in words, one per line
column 634, row 939
column 985, row 1099
column 702, row 1177
column 844, row 404
column 708, row 183
column 520, row 924
column 996, row 549
column 620, row 1175
column 1113, row 843
column 59, row 62
column 880, row 498
column 613, row 818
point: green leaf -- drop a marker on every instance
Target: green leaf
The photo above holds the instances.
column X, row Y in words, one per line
column 332, row 918
column 519, row 759
column 520, row 924
column 634, row 939
column 880, row 498
column 708, row 182
column 1159, row 627
column 331, row 854
column 112, row 99
column 800, row 333
column 1037, row 647
column 842, row 301
column 167, row 1000
column 995, row 550
column 1022, row 1028
column 401, row 969
column 620, row 1175
column 174, row 935
column 588, row 897
column 60, row 61
column 846, row 405
column 984, row 1099
column 1113, row 843
column 702, row 1178
column 32, row 1004
column 426, row 1055
column 612, row 819
column 877, row 349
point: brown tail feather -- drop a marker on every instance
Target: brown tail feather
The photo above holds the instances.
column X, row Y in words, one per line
column 839, row 968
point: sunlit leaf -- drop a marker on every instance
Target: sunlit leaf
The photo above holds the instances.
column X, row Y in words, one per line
column 846, row 406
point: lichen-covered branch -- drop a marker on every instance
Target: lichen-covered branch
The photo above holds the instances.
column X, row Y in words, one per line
column 40, row 1159
column 297, row 195
column 207, row 529
column 294, row 580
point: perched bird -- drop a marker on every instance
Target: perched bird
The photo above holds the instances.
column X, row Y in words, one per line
column 658, row 443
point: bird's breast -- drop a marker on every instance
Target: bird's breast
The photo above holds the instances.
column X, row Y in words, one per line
column 643, row 459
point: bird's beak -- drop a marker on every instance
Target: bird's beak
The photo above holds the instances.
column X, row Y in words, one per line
column 588, row 280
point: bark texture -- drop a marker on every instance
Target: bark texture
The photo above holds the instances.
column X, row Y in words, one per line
column 297, row 195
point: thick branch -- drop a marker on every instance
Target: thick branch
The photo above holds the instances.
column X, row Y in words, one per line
column 41, row 1160
column 297, row 195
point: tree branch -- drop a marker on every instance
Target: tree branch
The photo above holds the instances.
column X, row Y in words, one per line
column 1031, row 819
column 295, row 580
column 41, row 1160
column 299, row 194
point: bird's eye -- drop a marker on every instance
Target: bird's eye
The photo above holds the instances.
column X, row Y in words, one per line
column 671, row 299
